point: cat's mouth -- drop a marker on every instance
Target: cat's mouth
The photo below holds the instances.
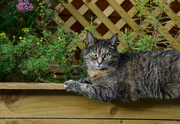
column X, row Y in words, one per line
column 100, row 67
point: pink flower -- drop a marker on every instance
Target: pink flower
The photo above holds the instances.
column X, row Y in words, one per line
column 24, row 5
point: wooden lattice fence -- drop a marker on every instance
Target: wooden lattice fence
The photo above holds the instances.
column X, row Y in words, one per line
column 111, row 16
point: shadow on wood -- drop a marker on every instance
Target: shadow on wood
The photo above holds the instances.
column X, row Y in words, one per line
column 59, row 106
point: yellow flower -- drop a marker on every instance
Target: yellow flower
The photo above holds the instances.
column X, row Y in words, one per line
column 2, row 34
column 25, row 30
column 61, row 21
column 37, row 43
column 23, row 41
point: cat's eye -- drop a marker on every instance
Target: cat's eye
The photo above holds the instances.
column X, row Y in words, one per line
column 93, row 54
column 107, row 55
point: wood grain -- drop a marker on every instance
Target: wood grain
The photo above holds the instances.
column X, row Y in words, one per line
column 59, row 104
column 83, row 121
column 31, row 86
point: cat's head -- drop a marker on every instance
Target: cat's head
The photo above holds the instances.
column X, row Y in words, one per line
column 101, row 54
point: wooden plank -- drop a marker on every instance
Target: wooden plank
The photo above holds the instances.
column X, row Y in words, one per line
column 60, row 104
column 108, row 11
column 31, row 86
column 84, row 121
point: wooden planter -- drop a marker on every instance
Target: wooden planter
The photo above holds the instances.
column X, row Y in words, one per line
column 47, row 103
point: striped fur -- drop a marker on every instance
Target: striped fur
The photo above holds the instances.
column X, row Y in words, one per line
column 129, row 76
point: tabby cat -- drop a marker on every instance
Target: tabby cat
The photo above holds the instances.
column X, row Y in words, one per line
column 130, row 76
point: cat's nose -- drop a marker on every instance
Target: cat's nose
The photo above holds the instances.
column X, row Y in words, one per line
column 99, row 61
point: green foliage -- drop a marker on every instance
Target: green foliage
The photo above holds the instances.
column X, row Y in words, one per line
column 12, row 21
column 150, row 16
column 92, row 29
column 146, row 43
column 26, row 50
column 28, row 58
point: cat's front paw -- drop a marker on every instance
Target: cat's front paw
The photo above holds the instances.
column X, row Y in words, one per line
column 71, row 85
column 85, row 80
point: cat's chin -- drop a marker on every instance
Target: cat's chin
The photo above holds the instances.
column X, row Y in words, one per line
column 97, row 68
column 100, row 68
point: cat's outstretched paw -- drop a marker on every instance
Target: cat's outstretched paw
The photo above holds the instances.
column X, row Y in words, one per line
column 71, row 85
column 86, row 80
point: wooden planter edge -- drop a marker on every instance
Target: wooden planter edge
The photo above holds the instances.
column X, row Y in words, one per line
column 31, row 86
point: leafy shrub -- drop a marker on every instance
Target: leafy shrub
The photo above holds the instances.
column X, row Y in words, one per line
column 13, row 19
column 150, row 16
column 26, row 50
column 28, row 58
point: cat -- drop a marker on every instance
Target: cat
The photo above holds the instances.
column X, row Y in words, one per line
column 130, row 76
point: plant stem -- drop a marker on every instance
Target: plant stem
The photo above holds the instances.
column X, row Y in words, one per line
column 129, row 46
column 155, row 32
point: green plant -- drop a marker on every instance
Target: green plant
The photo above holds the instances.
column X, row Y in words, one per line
column 12, row 21
column 151, row 35
column 28, row 58
column 25, row 53
column 139, row 45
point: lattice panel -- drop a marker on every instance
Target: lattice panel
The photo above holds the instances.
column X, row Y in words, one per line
column 111, row 16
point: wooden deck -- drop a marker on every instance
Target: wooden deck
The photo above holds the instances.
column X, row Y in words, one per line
column 23, row 103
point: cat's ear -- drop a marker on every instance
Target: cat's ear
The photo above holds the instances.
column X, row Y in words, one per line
column 114, row 40
column 89, row 38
